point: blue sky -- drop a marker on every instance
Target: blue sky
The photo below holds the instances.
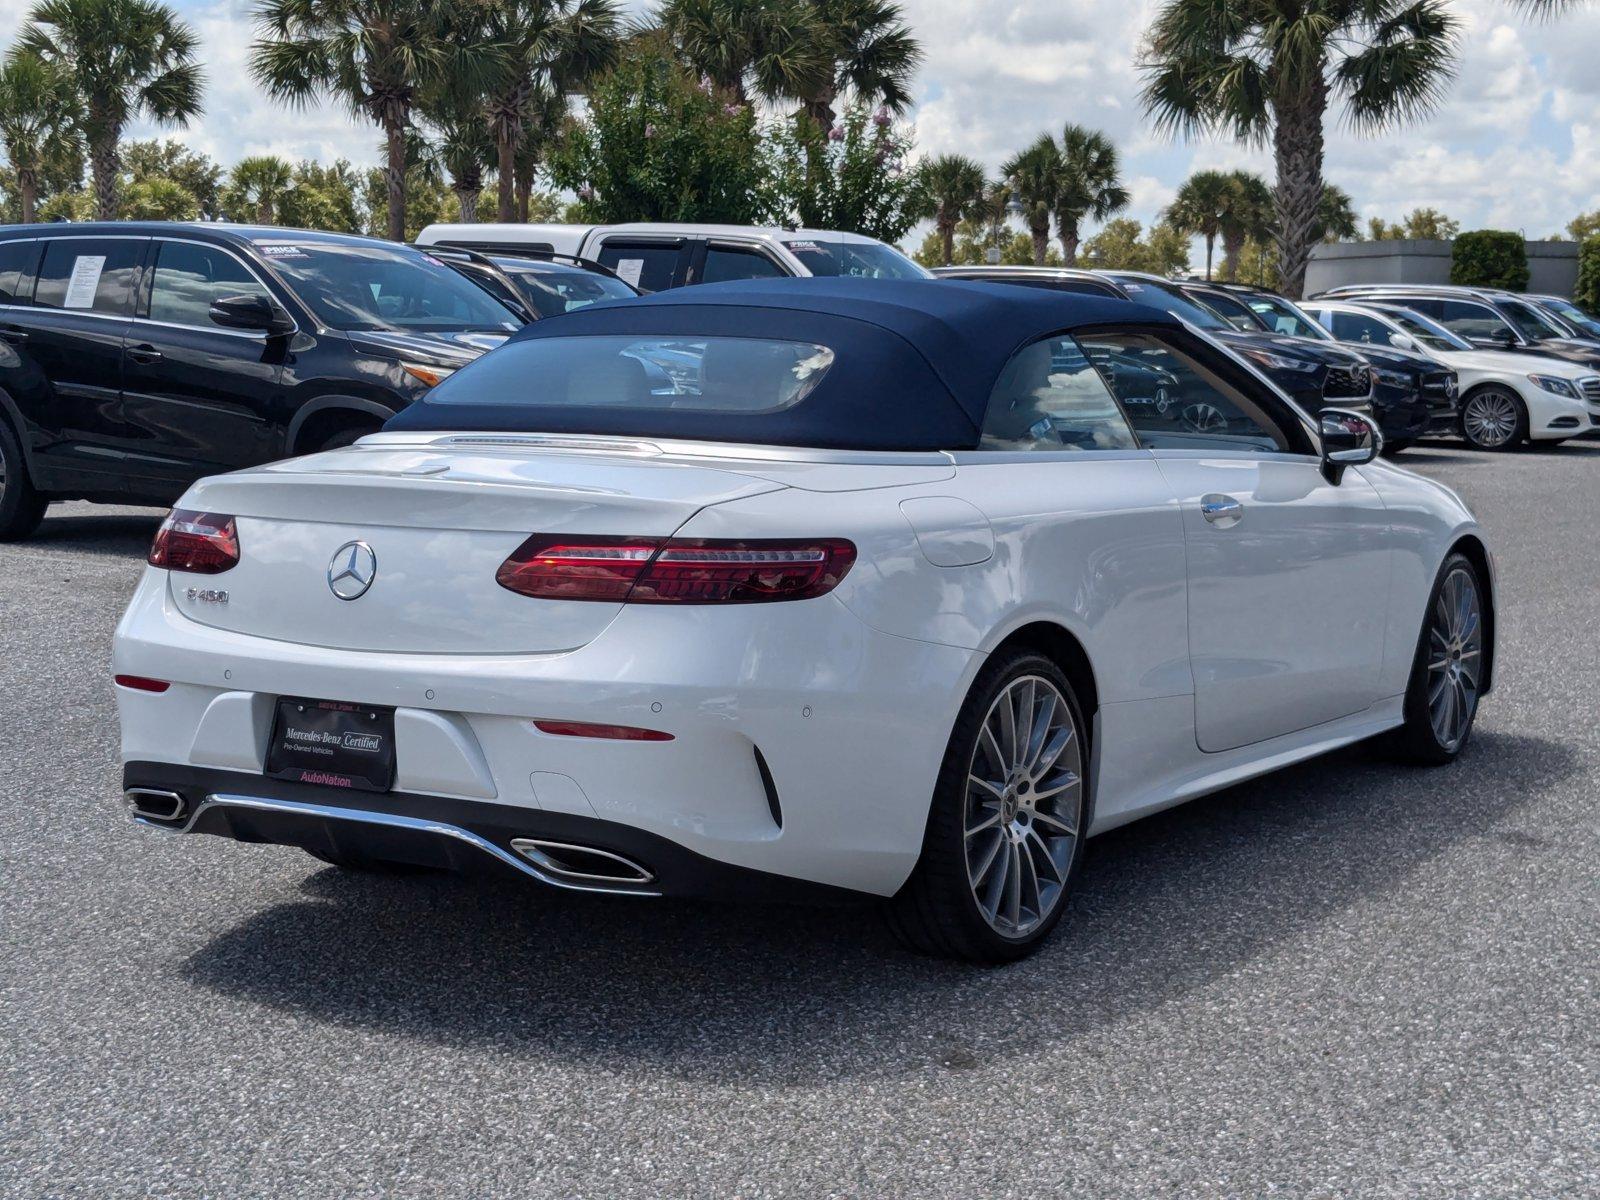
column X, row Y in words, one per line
column 1516, row 145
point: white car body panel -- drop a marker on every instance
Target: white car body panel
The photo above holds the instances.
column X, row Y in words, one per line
column 850, row 697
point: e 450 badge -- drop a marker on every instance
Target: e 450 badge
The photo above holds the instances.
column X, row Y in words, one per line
column 206, row 596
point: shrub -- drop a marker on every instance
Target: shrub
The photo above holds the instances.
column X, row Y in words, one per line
column 1587, row 293
column 1490, row 258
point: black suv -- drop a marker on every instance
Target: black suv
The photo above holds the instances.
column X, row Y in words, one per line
column 536, row 283
column 137, row 357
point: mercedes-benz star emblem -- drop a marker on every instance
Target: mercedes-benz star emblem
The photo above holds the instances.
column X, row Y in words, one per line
column 351, row 570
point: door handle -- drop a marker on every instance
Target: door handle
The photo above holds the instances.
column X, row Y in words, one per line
column 145, row 353
column 13, row 335
column 1221, row 511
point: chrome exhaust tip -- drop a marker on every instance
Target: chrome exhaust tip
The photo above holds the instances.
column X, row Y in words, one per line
column 582, row 864
column 155, row 804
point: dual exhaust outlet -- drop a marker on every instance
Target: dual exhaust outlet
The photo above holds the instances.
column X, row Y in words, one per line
column 155, row 804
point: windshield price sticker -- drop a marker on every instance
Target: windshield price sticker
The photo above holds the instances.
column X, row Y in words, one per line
column 283, row 252
column 86, row 269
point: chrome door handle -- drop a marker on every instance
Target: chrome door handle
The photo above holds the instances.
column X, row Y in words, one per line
column 1220, row 510
column 144, row 354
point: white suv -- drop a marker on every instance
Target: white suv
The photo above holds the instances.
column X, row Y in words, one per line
column 655, row 256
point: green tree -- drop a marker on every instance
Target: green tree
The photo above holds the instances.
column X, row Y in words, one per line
column 1122, row 246
column 256, row 187
column 1269, row 70
column 429, row 199
column 655, row 146
column 1035, row 178
column 870, row 55
column 154, row 198
column 1584, row 226
column 1089, row 186
column 748, row 48
column 850, row 177
column 1247, row 215
column 124, row 59
column 372, row 55
column 324, row 197
column 1490, row 258
column 952, row 189
column 1587, row 293
column 1424, row 224
column 1336, row 216
column 1202, row 202
column 171, row 160
column 38, row 123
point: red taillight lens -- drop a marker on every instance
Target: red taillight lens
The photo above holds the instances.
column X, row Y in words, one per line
column 676, row 571
column 203, row 543
column 142, row 683
column 584, row 729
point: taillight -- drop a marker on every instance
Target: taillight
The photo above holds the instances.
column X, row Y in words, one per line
column 204, row 543
column 142, row 683
column 675, row 571
column 586, row 729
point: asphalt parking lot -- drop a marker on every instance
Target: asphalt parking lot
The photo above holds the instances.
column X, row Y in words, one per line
column 1347, row 979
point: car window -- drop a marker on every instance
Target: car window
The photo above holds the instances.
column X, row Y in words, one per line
column 1078, row 287
column 1431, row 334
column 188, row 277
column 725, row 263
column 89, row 274
column 1174, row 401
column 1528, row 321
column 15, row 258
column 1230, row 310
column 867, row 260
column 1282, row 317
column 1471, row 320
column 1169, row 299
column 648, row 266
column 552, row 291
column 1574, row 315
column 1351, row 327
column 1050, row 397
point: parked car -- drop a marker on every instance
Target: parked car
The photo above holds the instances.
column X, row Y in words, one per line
column 901, row 605
column 657, row 256
column 1413, row 394
column 537, row 283
column 1573, row 320
column 137, row 357
column 1506, row 397
column 1055, row 279
column 1314, row 376
column 1490, row 320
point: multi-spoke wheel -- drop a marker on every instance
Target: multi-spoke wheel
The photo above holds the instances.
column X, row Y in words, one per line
column 1006, row 830
column 1493, row 419
column 21, row 505
column 1448, row 675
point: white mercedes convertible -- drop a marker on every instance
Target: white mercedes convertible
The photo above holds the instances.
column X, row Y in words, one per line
column 878, row 590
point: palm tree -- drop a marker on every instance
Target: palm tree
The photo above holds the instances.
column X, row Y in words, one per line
column 1268, row 70
column 544, row 48
column 1199, row 207
column 1336, row 216
column 1247, row 215
column 375, row 56
column 1035, row 176
column 871, row 54
column 258, row 183
column 38, row 115
column 772, row 48
column 954, row 189
column 123, row 59
column 1090, row 185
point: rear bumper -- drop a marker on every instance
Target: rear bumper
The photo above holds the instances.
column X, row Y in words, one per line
column 470, row 836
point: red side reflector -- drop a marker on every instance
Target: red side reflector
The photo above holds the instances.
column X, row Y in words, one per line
column 678, row 571
column 201, row 543
column 141, row 684
column 619, row 733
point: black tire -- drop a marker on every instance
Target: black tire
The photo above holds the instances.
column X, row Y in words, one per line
column 21, row 504
column 346, row 861
column 1419, row 740
column 1391, row 448
column 938, row 912
column 1499, row 397
column 344, row 437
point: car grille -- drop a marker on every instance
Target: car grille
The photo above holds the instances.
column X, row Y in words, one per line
column 1347, row 382
column 1590, row 386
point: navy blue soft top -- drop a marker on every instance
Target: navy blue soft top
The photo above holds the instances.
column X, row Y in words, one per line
column 915, row 360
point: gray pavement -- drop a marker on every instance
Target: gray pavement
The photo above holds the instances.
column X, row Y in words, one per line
column 1347, row 979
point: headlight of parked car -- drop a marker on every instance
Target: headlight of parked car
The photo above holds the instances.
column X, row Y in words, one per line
column 1560, row 387
column 1278, row 362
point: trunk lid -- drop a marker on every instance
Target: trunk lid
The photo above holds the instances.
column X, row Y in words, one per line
column 438, row 525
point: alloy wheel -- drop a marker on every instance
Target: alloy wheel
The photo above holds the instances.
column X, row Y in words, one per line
column 1024, row 802
column 1490, row 419
column 1455, row 658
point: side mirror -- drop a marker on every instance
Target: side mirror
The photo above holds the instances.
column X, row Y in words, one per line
column 254, row 312
column 1402, row 341
column 1349, row 439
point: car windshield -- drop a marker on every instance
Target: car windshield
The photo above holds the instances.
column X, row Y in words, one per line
column 1575, row 316
column 1282, row 317
column 1529, row 321
column 1428, row 333
column 361, row 287
column 1234, row 311
column 556, row 291
column 865, row 260
column 1169, row 299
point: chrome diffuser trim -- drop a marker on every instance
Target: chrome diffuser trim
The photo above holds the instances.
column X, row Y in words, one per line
column 396, row 821
column 538, row 849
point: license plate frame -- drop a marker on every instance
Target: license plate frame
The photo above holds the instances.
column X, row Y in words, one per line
column 332, row 743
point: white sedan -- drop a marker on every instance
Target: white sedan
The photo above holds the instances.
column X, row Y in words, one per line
column 886, row 595
column 1506, row 397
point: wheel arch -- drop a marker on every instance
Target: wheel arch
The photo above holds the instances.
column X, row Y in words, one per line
column 326, row 415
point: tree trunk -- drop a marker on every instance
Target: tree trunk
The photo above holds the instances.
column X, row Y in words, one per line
column 524, row 178
column 1041, row 243
column 394, row 174
column 28, row 188
column 103, row 163
column 264, row 212
column 820, row 108
column 1211, row 242
column 1069, row 242
column 466, row 202
column 947, row 240
column 1232, row 248
column 1297, row 154
column 505, row 148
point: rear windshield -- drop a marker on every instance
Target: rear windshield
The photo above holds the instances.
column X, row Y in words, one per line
column 747, row 376
column 553, row 292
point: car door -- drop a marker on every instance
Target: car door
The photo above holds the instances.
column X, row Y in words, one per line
column 1287, row 573
column 198, row 398
column 649, row 264
column 72, row 331
column 720, row 262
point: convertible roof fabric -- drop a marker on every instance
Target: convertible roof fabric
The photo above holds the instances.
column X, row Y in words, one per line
column 915, row 360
